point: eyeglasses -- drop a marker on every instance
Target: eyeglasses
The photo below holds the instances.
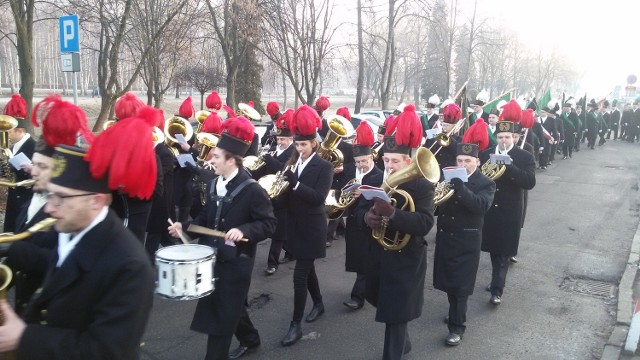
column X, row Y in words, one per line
column 57, row 199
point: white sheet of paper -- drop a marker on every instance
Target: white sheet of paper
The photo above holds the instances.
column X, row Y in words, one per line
column 370, row 192
column 181, row 139
column 19, row 159
column 455, row 172
column 431, row 133
column 351, row 187
column 183, row 159
column 504, row 159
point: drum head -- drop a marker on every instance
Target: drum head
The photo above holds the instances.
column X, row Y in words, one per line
column 185, row 252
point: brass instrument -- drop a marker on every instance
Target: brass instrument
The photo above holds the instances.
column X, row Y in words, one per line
column 335, row 207
column 442, row 193
column 201, row 116
column 275, row 184
column 423, row 164
column 6, row 275
column 43, row 225
column 207, row 143
column 339, row 128
column 254, row 163
column 158, row 136
column 375, row 150
column 249, row 112
column 6, row 123
column 493, row 171
column 23, row 183
column 444, row 139
column 173, row 126
column 107, row 124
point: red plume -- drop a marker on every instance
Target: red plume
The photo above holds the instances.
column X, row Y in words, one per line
column 344, row 112
column 528, row 118
column 212, row 124
column 284, row 120
column 153, row 116
column 186, row 109
column 272, row 108
column 409, row 128
column 477, row 134
column 127, row 106
column 511, row 111
column 322, row 103
column 364, row 135
column 390, row 125
column 124, row 152
column 16, row 107
column 452, row 113
column 229, row 111
column 250, row 103
column 239, row 127
column 61, row 121
column 213, row 101
column 305, row 121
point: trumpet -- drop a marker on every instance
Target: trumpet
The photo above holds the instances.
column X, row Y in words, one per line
column 423, row 164
column 339, row 128
column 375, row 150
column 23, row 183
column 173, row 126
column 275, row 184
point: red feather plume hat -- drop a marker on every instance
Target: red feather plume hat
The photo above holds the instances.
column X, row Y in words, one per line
column 283, row 123
column 213, row 101
column 322, row 104
column 344, row 112
column 477, row 134
column 212, row 124
column 124, row 154
column 237, row 134
column 511, row 111
column 305, row 123
column 273, row 108
column 153, row 115
column 528, row 119
column 408, row 132
column 382, row 130
column 186, row 109
column 451, row 113
column 127, row 106
column 364, row 139
column 17, row 108
column 61, row 122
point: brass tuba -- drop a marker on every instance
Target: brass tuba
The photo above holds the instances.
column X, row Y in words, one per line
column 6, row 123
column 206, row 142
column 423, row 164
column 173, row 126
column 249, row 112
column 339, row 128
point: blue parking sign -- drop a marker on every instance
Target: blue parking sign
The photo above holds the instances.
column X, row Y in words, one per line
column 69, row 34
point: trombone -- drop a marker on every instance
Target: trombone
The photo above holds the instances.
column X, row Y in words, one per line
column 444, row 139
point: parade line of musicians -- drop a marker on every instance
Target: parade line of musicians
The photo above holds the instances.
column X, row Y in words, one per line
column 84, row 287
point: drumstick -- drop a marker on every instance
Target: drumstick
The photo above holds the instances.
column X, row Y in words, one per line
column 180, row 234
column 206, row 231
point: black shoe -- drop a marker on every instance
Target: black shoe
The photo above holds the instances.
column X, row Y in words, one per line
column 329, row 243
column 240, row 351
column 565, row 157
column 293, row 335
column 453, row 339
column 353, row 304
column 543, row 168
column 316, row 312
column 271, row 270
column 495, row 300
column 513, row 259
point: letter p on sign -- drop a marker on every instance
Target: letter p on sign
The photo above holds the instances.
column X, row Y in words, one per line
column 69, row 34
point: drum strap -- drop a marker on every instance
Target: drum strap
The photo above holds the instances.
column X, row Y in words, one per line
column 228, row 199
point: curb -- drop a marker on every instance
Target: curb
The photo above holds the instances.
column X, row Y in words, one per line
column 615, row 345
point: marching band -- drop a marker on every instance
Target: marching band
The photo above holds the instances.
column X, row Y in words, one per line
column 309, row 175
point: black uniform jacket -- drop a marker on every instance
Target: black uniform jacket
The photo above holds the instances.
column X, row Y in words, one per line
column 307, row 220
column 395, row 280
column 96, row 305
column 503, row 222
column 459, row 235
column 357, row 235
column 20, row 196
column 250, row 211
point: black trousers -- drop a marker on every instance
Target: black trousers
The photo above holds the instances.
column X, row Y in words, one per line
column 246, row 333
column 613, row 130
column 182, row 195
column 602, row 135
column 544, row 157
column 500, row 266
column 359, row 286
column 278, row 239
column 396, row 337
column 567, row 146
column 218, row 347
column 457, row 313
column 304, row 278
column 576, row 142
column 591, row 139
column 552, row 152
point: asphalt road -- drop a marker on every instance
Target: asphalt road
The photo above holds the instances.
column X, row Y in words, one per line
column 559, row 301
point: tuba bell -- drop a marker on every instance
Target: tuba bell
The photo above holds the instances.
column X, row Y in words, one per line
column 423, row 164
column 6, row 123
column 339, row 128
column 207, row 142
column 173, row 126
column 249, row 112
column 107, row 124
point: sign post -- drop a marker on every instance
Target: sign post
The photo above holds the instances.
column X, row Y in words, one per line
column 70, row 49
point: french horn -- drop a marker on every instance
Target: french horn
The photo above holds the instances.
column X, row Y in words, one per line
column 335, row 206
column 492, row 171
column 275, row 184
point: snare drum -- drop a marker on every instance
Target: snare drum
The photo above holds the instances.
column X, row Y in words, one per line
column 185, row 272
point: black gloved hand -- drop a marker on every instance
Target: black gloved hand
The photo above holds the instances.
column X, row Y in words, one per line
column 456, row 184
column 382, row 207
column 372, row 220
column 290, row 177
column 192, row 168
column 270, row 160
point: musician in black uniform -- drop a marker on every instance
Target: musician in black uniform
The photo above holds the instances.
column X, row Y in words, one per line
column 395, row 280
column 459, row 237
column 604, row 119
column 558, row 136
column 447, row 154
column 98, row 292
column 378, row 160
column 431, row 115
column 548, row 124
column 592, row 126
column 357, row 234
column 570, row 120
column 240, row 207
column 478, row 108
column 503, row 221
column 275, row 161
column 309, row 186
column 582, row 117
column 182, row 176
column 20, row 142
column 494, row 116
column 269, row 137
column 322, row 104
column 616, row 114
